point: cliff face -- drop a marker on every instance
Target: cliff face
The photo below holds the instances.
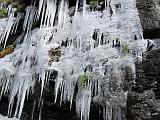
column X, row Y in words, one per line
column 144, row 98
column 149, row 12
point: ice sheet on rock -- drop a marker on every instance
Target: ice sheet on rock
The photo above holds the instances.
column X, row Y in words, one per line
column 6, row 118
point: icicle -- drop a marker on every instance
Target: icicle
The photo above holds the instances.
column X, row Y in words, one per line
column 43, row 13
column 66, row 6
column 77, row 3
column 30, row 18
column 9, row 9
column 25, row 86
column 84, row 8
column 61, row 14
column 48, row 16
column 41, row 107
column 41, row 3
column 53, row 12
column 105, row 4
column 43, row 77
column 4, row 88
column 62, row 94
column 83, row 102
column 10, row 23
column 33, row 110
column 19, row 16
column 10, row 106
column 58, row 85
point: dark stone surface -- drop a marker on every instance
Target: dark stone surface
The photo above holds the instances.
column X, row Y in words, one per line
column 144, row 98
column 149, row 12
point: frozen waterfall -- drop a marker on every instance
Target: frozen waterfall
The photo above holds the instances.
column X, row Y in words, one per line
column 90, row 49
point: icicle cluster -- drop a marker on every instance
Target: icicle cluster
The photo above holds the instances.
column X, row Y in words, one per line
column 21, row 69
column 48, row 10
column 99, row 46
column 11, row 26
column 31, row 18
column 91, row 52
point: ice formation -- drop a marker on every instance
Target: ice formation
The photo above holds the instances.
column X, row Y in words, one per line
column 30, row 18
column 90, row 49
column 5, row 118
column 11, row 25
column 48, row 10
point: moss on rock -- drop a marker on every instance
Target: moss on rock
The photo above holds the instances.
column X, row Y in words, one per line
column 4, row 1
column 3, row 12
column 83, row 80
column 125, row 48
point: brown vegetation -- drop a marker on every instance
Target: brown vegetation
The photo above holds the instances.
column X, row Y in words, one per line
column 6, row 51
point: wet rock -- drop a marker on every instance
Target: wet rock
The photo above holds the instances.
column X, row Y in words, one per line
column 55, row 54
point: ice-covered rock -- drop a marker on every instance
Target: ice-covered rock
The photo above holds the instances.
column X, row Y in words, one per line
column 90, row 50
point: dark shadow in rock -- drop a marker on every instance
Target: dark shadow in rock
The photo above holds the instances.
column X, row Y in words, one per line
column 151, row 34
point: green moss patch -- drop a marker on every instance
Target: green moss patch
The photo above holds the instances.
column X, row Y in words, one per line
column 84, row 79
column 93, row 3
column 3, row 12
column 125, row 48
column 5, row 1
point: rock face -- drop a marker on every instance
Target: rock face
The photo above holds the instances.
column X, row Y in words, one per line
column 144, row 98
column 149, row 12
